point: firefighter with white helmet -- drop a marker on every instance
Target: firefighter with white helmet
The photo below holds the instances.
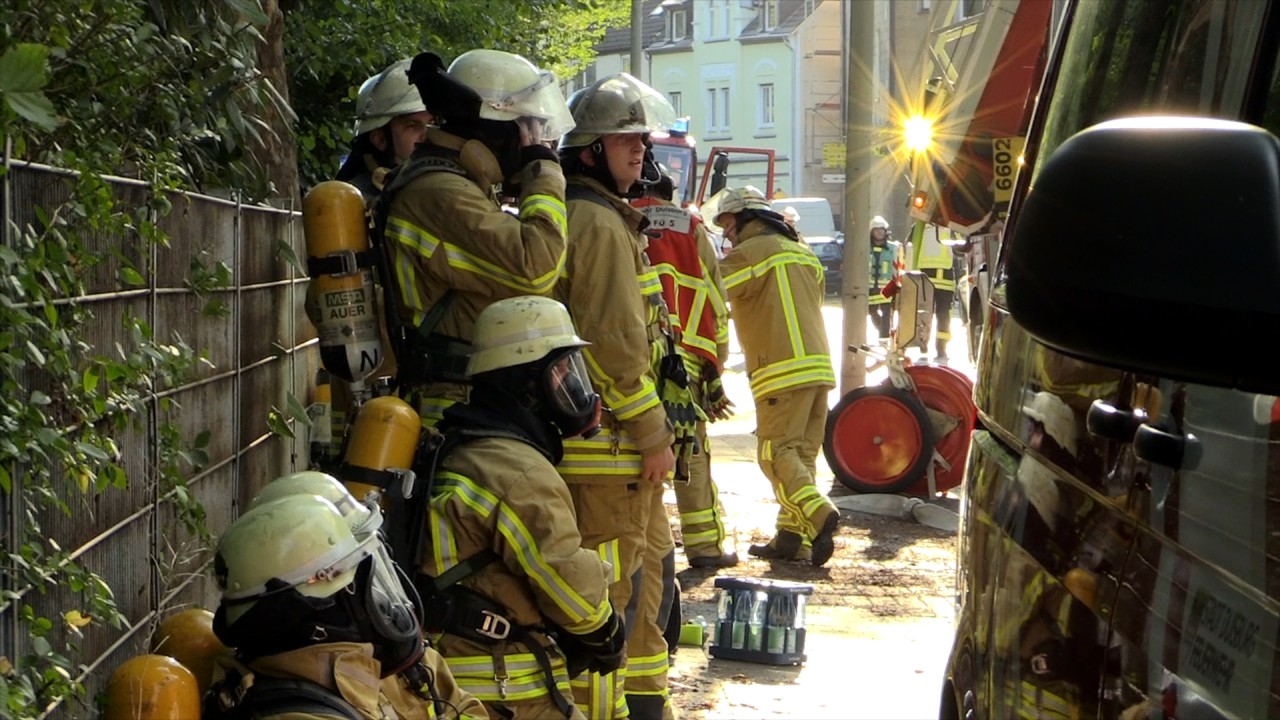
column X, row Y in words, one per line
column 452, row 248
column 886, row 265
column 615, row 299
column 526, row 605
column 391, row 120
column 775, row 287
column 320, row 622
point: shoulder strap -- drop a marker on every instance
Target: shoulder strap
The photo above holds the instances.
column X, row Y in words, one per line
column 249, row 695
column 275, row 696
column 404, row 339
column 577, row 191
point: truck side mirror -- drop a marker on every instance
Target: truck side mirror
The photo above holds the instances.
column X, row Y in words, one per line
column 1152, row 244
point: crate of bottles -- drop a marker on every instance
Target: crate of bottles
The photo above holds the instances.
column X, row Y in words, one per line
column 760, row 620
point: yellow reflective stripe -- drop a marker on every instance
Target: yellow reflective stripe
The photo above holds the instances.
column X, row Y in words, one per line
column 706, row 537
column 525, row 679
column 788, row 303
column 444, row 547
column 462, row 260
column 426, row 245
column 605, row 699
column 809, row 369
column 431, row 409
column 766, row 450
column 581, row 613
column 407, row 282
column 608, row 552
column 624, row 407
column 549, row 205
column 412, row 237
column 647, row 665
column 817, row 376
column 737, row 277
column 650, row 284
column 698, row 516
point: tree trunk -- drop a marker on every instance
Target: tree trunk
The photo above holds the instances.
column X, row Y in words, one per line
column 277, row 151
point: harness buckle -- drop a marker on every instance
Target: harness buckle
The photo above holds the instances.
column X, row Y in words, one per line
column 347, row 259
column 494, row 625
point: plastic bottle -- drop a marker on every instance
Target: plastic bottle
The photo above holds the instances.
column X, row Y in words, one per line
column 779, row 629
column 741, row 618
column 795, row 638
column 724, row 619
column 755, row 627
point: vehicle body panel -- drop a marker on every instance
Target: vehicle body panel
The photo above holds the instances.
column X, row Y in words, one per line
column 1100, row 577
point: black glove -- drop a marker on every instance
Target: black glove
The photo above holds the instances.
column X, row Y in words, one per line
column 529, row 153
column 601, row 650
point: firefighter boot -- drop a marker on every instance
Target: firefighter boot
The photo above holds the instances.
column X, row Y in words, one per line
column 787, row 545
column 824, row 543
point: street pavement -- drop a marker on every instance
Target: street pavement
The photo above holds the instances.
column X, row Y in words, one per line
column 858, row 666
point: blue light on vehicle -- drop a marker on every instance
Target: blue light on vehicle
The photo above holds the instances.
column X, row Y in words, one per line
column 680, row 127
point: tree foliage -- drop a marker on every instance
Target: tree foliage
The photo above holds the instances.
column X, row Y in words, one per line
column 170, row 92
column 556, row 34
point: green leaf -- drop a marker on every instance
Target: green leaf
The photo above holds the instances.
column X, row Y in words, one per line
column 298, row 412
column 277, row 425
column 132, row 277
column 39, row 398
column 24, row 69
column 92, row 451
column 6, row 482
column 202, row 440
column 90, row 380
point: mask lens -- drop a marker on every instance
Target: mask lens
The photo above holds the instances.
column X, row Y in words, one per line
column 568, row 392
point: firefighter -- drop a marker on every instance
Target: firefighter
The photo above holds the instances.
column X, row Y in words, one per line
column 886, row 263
column 320, row 622
column 685, row 260
column 617, row 477
column 775, row 289
column 452, row 249
column 390, row 121
column 502, row 521
column 933, row 257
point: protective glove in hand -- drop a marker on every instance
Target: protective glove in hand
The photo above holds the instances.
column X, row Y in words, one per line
column 601, row 651
column 682, row 411
column 530, row 153
column 715, row 403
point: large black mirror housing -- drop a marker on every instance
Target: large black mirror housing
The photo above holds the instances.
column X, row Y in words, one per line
column 1153, row 244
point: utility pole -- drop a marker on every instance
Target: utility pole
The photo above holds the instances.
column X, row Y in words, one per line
column 859, row 93
column 637, row 40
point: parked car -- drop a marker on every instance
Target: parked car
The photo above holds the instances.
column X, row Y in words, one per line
column 831, row 254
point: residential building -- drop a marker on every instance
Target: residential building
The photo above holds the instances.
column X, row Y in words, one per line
column 772, row 74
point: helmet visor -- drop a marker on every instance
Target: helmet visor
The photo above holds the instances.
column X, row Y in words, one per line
column 542, row 102
column 567, row 390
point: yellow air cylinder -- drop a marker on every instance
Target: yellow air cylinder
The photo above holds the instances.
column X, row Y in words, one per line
column 152, row 687
column 333, row 223
column 187, row 636
column 385, row 435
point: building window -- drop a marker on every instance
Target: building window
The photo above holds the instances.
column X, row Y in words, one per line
column 766, row 105
column 677, row 24
column 926, row 5
column 718, row 16
column 770, row 11
column 717, row 110
column 677, row 102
